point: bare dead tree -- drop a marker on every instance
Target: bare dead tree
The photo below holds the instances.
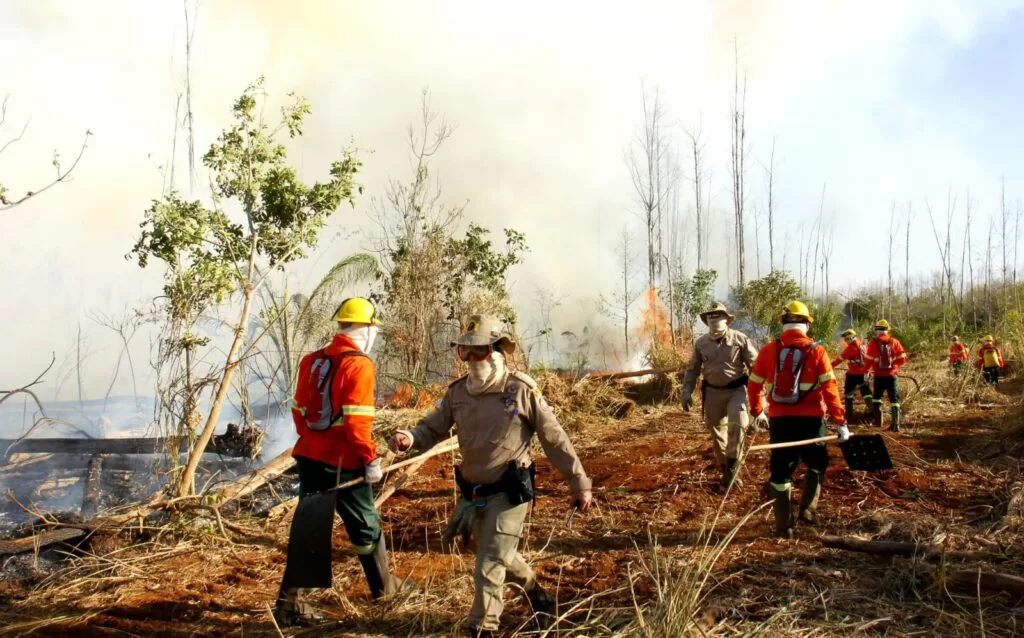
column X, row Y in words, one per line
column 1016, row 243
column 623, row 299
column 988, row 273
column 63, row 174
column 738, row 155
column 646, row 161
column 1004, row 220
column 908, row 218
column 189, row 120
column 124, row 326
column 970, row 256
column 818, row 230
column 945, row 249
column 770, row 170
column 893, row 228
column 826, row 255
column 697, row 145
column 757, row 241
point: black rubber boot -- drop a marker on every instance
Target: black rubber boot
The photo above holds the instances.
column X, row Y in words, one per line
column 809, row 498
column 543, row 606
column 473, row 632
column 876, row 412
column 849, row 408
column 894, row 412
column 783, row 512
column 375, row 566
column 729, row 474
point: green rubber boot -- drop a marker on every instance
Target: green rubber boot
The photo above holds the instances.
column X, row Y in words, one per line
column 783, row 511
column 809, row 499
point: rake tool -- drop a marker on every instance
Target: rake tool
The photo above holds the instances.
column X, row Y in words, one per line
column 865, row 452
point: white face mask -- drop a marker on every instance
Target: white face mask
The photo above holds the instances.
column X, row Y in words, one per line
column 486, row 374
column 363, row 335
column 718, row 325
column 802, row 327
column 879, row 333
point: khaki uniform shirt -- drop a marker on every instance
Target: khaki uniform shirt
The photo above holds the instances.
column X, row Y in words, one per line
column 497, row 427
column 722, row 361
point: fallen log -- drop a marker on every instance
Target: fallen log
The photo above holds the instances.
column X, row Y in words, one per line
column 605, row 375
column 249, row 483
column 41, row 540
column 225, row 445
column 882, row 548
column 93, row 477
column 991, row 581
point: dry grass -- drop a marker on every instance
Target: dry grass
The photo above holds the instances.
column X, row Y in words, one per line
column 648, row 560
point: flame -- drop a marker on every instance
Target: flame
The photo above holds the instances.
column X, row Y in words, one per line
column 655, row 326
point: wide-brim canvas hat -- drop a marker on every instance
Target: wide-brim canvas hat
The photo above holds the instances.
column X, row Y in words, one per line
column 715, row 309
column 486, row 330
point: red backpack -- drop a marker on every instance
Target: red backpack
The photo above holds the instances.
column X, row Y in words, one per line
column 789, row 364
column 884, row 354
column 319, row 412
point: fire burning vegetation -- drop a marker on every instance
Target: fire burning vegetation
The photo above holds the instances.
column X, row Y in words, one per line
column 661, row 502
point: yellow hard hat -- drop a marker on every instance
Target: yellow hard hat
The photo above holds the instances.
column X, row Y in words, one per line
column 796, row 309
column 987, row 338
column 849, row 333
column 357, row 310
column 882, row 324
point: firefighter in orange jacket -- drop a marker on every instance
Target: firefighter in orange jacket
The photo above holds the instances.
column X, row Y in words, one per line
column 957, row 356
column 885, row 355
column 797, row 376
column 333, row 412
column 990, row 360
column 856, row 368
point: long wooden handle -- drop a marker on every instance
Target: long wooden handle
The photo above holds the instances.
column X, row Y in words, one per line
column 775, row 446
column 449, row 446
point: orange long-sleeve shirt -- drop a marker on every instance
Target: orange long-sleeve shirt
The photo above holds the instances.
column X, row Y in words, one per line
column 348, row 443
column 816, row 379
column 957, row 352
column 899, row 356
column 854, row 357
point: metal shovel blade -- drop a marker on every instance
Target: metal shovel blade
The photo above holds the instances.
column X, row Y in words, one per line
column 866, row 452
column 309, row 542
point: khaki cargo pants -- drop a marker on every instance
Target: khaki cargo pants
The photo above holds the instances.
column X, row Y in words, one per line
column 497, row 530
column 727, row 417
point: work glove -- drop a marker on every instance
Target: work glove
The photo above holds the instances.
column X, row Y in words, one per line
column 687, row 401
column 761, row 421
column 843, row 432
column 400, row 441
column 374, row 472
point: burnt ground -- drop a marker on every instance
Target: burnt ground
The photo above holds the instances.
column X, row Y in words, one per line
column 659, row 513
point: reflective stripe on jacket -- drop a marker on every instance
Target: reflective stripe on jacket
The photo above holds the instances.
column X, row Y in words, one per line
column 957, row 352
column 816, row 379
column 899, row 356
column 348, row 443
column 854, row 358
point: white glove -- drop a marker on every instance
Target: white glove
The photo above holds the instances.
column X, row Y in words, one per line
column 843, row 432
column 761, row 421
column 374, row 472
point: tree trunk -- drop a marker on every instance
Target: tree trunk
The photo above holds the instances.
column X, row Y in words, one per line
column 186, row 482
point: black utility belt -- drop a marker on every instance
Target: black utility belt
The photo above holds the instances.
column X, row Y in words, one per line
column 516, row 482
column 732, row 385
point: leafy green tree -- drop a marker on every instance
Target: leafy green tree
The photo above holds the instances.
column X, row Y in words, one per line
column 761, row 300
column 691, row 297
column 213, row 253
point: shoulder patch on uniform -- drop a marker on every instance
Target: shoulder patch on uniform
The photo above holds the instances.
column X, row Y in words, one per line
column 525, row 378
